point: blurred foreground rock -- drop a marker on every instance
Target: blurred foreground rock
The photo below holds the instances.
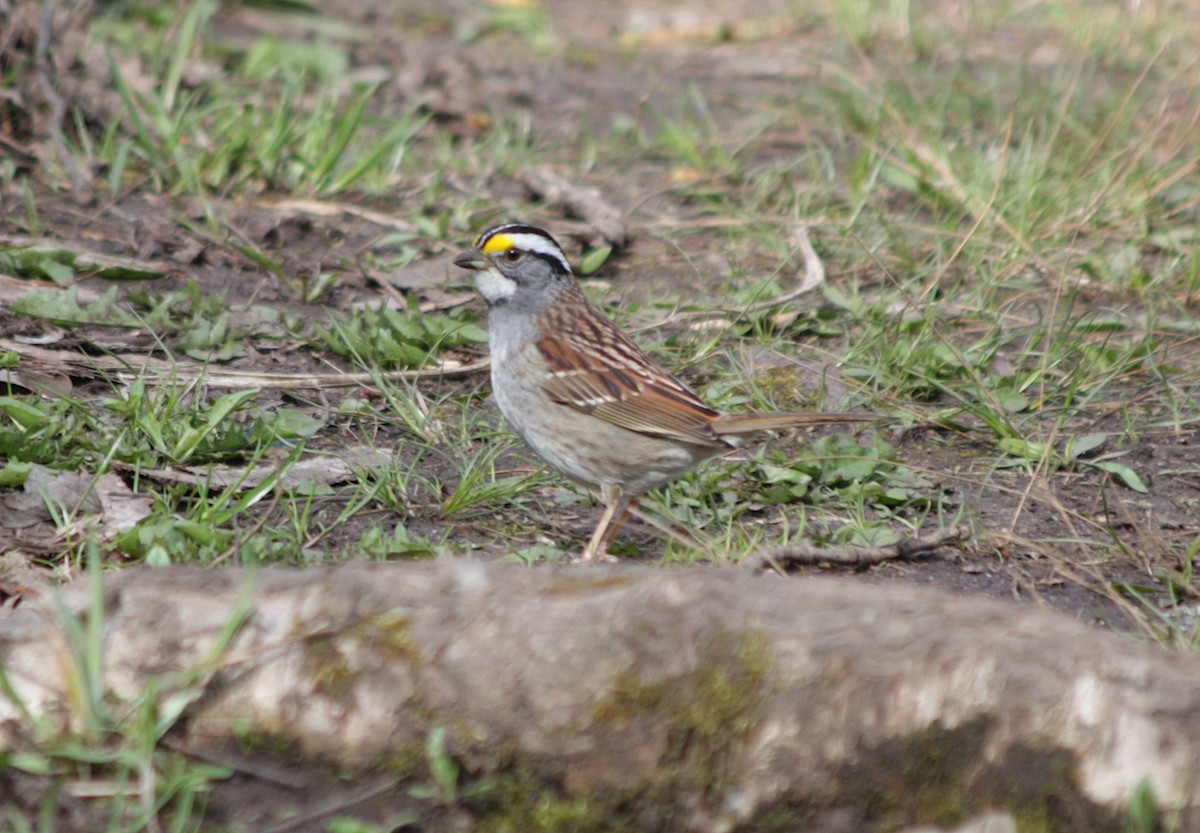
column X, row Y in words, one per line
column 701, row 699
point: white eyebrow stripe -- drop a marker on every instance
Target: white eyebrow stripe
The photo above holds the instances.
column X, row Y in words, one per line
column 538, row 245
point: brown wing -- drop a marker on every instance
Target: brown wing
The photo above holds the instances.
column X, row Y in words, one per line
column 594, row 368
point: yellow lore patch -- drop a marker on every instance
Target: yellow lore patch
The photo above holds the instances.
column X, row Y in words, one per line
column 497, row 243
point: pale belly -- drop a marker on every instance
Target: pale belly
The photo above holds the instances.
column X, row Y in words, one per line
column 589, row 450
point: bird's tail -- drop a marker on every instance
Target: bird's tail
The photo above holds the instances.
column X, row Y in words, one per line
column 732, row 426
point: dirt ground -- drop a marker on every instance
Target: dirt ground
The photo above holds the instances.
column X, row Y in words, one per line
column 628, row 57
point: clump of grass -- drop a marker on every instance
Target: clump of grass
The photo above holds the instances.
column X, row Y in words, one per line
column 387, row 338
column 275, row 117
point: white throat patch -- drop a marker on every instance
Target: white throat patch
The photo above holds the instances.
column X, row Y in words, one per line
column 493, row 286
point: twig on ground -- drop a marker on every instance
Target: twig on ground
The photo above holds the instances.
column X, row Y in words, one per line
column 585, row 201
column 80, row 179
column 129, row 368
column 813, row 277
column 341, row 805
column 271, row 773
column 778, row 558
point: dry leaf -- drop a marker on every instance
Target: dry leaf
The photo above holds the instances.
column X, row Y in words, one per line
column 325, row 470
column 121, row 508
column 48, row 496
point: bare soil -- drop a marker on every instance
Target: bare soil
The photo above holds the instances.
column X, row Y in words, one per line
column 627, row 57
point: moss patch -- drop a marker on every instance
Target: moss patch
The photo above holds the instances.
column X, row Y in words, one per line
column 328, row 668
column 516, row 804
column 696, row 724
column 936, row 778
column 388, row 635
column 701, row 718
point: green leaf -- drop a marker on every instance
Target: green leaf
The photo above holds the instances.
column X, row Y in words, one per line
column 1125, row 474
column 14, row 473
column 58, row 272
column 594, row 259
column 1012, row 401
column 896, row 496
column 901, row 178
column 62, row 307
column 469, row 334
column 444, row 768
column 407, row 327
column 849, row 471
column 781, row 474
column 400, row 543
column 190, row 439
column 31, row 762
column 1078, row 446
column 116, row 268
column 534, row 554
column 291, row 423
column 1025, row 449
column 838, row 298
column 224, row 353
column 405, row 338
column 24, row 414
column 229, row 403
column 63, row 265
column 1143, row 809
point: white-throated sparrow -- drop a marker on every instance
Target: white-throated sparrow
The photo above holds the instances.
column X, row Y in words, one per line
column 588, row 400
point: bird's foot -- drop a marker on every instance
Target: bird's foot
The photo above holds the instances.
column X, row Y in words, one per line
column 588, row 557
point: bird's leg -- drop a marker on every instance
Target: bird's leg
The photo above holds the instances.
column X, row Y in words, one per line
column 615, row 510
column 617, row 523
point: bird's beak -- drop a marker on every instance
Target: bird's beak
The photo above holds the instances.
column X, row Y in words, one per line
column 471, row 259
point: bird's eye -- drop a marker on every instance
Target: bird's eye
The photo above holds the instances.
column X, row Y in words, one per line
column 513, row 255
